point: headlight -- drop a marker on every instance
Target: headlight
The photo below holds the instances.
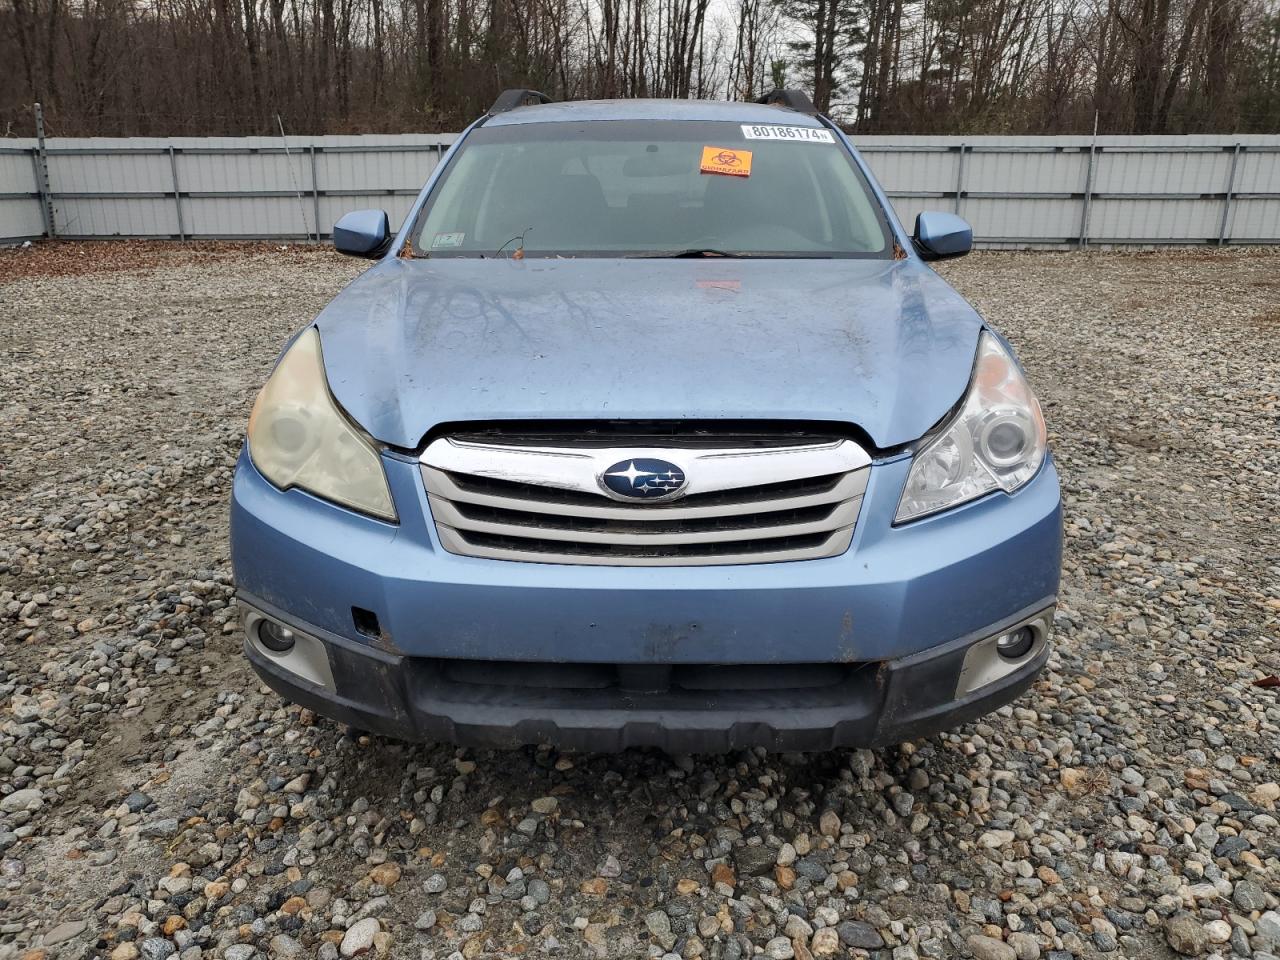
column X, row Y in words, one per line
column 299, row 438
column 996, row 441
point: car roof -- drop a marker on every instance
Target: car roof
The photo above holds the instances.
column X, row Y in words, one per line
column 579, row 110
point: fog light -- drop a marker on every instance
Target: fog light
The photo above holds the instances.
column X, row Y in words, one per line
column 275, row 637
column 1016, row 643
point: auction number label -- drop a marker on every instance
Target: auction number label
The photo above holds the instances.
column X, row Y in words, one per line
column 753, row 131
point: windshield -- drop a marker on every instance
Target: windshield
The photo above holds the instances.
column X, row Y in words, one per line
column 651, row 188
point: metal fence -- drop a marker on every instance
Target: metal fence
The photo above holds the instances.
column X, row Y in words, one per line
column 1073, row 191
column 1016, row 191
column 206, row 188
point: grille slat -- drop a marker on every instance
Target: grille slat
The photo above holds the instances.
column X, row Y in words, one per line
column 748, row 498
column 745, row 505
column 573, row 529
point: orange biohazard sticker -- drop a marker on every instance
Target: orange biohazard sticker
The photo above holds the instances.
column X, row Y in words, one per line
column 731, row 163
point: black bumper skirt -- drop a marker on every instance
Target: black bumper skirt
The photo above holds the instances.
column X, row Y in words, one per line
column 872, row 704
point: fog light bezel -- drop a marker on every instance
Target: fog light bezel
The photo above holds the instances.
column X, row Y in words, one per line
column 984, row 664
column 307, row 659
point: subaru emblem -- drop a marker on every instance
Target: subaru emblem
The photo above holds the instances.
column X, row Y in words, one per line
column 643, row 478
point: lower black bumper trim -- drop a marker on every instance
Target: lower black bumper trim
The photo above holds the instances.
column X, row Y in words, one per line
column 400, row 697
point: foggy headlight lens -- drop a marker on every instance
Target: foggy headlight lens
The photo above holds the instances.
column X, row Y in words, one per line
column 298, row 437
column 996, row 442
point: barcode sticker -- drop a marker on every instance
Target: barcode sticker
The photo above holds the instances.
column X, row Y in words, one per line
column 757, row 131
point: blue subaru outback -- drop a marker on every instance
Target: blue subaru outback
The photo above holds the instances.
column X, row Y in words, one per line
column 650, row 426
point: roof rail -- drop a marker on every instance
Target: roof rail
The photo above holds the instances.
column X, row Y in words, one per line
column 796, row 100
column 510, row 99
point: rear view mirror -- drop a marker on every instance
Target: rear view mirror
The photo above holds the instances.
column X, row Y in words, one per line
column 941, row 235
column 362, row 233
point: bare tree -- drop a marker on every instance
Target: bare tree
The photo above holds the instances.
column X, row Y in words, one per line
column 115, row 67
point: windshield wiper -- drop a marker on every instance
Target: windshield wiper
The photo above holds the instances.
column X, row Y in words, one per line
column 689, row 252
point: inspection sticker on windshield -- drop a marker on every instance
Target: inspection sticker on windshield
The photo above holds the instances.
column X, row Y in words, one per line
column 447, row 240
column 723, row 160
column 755, row 131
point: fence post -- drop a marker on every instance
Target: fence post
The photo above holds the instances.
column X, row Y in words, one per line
column 960, row 177
column 1094, row 150
column 1231, row 189
column 177, row 195
column 42, row 176
column 315, row 192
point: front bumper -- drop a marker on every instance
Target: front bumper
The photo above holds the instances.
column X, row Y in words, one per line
column 409, row 698
column 897, row 611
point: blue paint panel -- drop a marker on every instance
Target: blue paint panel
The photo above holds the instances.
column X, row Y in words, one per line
column 898, row 590
column 884, row 344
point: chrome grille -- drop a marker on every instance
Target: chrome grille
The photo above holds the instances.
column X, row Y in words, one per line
column 544, row 504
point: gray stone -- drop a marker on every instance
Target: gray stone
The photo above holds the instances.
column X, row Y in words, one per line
column 156, row 948
column 359, row 937
column 163, row 828
column 855, row 933
column 436, row 883
column 1268, row 929
column 754, row 861
column 1024, row 945
column 989, row 948
column 609, row 868
column 1184, row 933
column 1248, row 896
column 65, row 931
column 659, row 926
column 29, row 799
column 284, row 947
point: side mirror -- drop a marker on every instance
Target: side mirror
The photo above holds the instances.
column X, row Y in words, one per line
column 362, row 233
column 941, row 235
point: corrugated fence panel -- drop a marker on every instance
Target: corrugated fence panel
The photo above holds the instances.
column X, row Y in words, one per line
column 398, row 171
column 134, row 217
column 1150, row 220
column 222, row 172
column 1163, row 172
column 906, row 172
column 1256, row 221
column 1040, row 221
column 1256, row 218
column 989, row 171
column 287, row 217
column 1259, row 172
column 92, row 191
column 20, row 220
column 20, row 216
column 1014, row 190
column 17, row 175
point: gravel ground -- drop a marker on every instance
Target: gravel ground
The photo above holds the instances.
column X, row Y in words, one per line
column 156, row 801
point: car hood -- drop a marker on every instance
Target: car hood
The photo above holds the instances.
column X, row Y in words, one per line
column 886, row 345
